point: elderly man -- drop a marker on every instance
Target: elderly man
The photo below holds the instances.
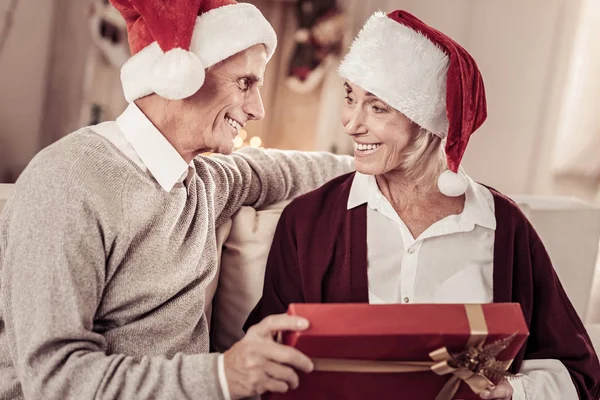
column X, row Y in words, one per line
column 109, row 242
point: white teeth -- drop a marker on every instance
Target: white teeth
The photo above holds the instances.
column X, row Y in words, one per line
column 233, row 123
column 359, row 146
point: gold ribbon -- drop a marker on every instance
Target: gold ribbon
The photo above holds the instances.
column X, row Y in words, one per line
column 477, row 383
column 439, row 365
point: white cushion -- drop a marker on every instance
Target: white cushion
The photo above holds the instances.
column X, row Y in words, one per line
column 594, row 308
column 222, row 234
column 570, row 230
column 594, row 332
column 6, row 190
column 242, row 272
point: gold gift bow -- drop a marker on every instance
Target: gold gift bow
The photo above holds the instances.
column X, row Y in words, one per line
column 439, row 365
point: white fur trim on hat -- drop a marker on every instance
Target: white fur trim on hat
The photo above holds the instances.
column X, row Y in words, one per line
column 218, row 34
column 401, row 67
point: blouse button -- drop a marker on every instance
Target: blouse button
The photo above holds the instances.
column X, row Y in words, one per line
column 411, row 250
column 406, row 300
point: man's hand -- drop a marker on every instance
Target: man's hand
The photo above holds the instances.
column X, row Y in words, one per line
column 503, row 391
column 257, row 364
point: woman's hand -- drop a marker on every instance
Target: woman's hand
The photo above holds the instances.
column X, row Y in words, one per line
column 503, row 391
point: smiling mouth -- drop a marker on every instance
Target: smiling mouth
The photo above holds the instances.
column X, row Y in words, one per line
column 364, row 149
column 234, row 124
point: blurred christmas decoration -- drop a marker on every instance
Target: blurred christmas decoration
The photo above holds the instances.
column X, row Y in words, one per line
column 255, row 141
column 242, row 140
column 321, row 29
column 102, row 92
column 109, row 32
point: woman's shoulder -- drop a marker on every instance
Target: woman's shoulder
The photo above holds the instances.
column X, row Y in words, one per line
column 507, row 210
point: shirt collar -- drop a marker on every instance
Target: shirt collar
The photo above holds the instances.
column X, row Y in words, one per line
column 479, row 205
column 158, row 155
column 363, row 188
column 479, row 209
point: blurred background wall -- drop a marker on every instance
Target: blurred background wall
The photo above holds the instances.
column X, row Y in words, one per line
column 25, row 51
column 60, row 70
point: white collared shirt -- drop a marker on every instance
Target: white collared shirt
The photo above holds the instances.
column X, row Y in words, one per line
column 136, row 137
column 452, row 261
column 442, row 265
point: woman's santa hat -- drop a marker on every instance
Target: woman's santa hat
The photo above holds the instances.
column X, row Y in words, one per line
column 426, row 76
column 174, row 41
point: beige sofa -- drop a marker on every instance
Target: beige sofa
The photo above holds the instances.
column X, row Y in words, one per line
column 6, row 191
column 569, row 228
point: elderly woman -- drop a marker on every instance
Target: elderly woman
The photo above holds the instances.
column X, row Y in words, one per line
column 108, row 245
column 410, row 226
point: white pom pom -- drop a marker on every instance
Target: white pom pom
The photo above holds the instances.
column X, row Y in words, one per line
column 452, row 184
column 177, row 74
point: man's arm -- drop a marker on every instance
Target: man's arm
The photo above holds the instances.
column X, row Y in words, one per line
column 257, row 178
column 53, row 267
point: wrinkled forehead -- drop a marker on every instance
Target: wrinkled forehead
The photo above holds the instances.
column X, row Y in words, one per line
column 251, row 61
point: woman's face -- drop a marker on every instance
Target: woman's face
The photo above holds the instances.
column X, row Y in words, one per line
column 380, row 133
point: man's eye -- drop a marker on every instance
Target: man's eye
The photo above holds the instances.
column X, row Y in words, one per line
column 348, row 99
column 244, row 84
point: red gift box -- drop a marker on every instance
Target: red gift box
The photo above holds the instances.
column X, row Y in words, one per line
column 358, row 349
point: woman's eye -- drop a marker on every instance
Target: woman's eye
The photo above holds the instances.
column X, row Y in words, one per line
column 378, row 109
column 348, row 99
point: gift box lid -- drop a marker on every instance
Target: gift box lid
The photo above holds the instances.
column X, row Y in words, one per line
column 403, row 331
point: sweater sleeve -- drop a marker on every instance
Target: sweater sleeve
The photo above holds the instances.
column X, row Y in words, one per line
column 257, row 178
column 557, row 333
column 53, row 266
column 283, row 283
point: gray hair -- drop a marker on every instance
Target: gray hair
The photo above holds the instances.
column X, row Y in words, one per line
column 424, row 159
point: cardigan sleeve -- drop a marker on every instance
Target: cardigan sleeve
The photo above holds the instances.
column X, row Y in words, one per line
column 283, row 283
column 556, row 331
column 546, row 379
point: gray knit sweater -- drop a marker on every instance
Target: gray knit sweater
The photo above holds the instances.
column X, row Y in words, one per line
column 103, row 273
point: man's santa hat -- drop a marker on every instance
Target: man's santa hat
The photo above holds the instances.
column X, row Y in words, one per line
column 174, row 41
column 426, row 76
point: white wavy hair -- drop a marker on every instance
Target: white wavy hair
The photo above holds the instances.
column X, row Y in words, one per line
column 423, row 160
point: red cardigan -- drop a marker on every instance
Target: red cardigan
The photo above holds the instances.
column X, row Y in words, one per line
column 319, row 255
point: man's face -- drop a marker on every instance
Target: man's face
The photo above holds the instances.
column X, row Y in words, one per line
column 229, row 97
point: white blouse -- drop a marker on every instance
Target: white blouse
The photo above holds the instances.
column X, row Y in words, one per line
column 450, row 262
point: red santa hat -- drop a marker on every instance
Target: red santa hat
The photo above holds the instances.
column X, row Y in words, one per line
column 174, row 41
column 425, row 75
